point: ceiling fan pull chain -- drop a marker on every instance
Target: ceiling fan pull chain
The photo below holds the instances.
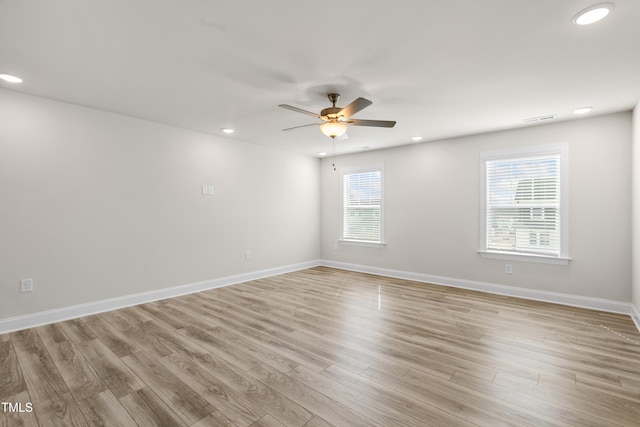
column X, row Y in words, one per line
column 334, row 154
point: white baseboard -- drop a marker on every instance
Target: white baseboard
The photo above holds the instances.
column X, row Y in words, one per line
column 635, row 315
column 532, row 294
column 72, row 312
column 66, row 313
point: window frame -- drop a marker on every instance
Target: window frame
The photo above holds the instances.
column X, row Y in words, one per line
column 561, row 150
column 379, row 167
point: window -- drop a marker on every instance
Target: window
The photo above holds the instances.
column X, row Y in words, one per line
column 362, row 205
column 524, row 203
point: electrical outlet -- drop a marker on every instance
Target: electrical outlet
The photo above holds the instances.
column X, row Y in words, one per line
column 26, row 285
column 508, row 269
column 247, row 256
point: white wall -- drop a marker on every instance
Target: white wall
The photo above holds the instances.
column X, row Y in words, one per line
column 636, row 212
column 432, row 209
column 96, row 205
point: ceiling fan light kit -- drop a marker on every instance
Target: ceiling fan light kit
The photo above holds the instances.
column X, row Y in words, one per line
column 335, row 120
column 333, row 129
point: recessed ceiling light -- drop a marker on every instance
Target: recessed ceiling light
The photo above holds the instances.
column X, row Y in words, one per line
column 540, row 118
column 593, row 13
column 11, row 79
column 322, row 154
column 582, row 110
column 416, row 138
column 228, row 131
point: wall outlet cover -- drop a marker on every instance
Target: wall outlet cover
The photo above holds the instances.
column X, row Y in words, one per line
column 26, row 285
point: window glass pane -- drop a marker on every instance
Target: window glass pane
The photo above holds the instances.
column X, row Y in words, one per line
column 523, row 203
column 362, row 204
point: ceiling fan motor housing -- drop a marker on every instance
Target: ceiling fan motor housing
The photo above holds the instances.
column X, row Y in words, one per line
column 331, row 112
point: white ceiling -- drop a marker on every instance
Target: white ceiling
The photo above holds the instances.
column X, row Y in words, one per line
column 440, row 68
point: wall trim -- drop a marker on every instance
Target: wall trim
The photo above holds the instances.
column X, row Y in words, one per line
column 512, row 291
column 60, row 314
column 635, row 316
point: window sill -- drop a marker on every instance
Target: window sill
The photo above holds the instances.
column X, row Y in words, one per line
column 542, row 259
column 362, row 243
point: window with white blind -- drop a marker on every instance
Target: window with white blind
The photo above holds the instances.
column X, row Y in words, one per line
column 524, row 203
column 362, row 205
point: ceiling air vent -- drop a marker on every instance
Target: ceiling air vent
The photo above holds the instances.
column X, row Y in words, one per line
column 540, row 118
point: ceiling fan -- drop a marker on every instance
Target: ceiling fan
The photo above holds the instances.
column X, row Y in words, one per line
column 335, row 119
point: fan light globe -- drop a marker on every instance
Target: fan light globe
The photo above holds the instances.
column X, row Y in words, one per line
column 333, row 129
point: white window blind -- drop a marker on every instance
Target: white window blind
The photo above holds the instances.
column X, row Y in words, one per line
column 362, row 205
column 523, row 203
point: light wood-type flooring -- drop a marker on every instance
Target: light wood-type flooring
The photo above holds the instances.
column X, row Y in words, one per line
column 323, row 347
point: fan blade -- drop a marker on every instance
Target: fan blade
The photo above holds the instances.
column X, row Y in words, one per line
column 354, row 107
column 375, row 123
column 299, row 110
column 303, row 126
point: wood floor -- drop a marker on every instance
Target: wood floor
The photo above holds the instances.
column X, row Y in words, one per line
column 323, row 347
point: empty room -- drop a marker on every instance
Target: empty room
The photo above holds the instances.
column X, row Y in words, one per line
column 287, row 213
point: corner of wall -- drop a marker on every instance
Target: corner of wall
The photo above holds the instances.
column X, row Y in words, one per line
column 635, row 216
column 635, row 316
